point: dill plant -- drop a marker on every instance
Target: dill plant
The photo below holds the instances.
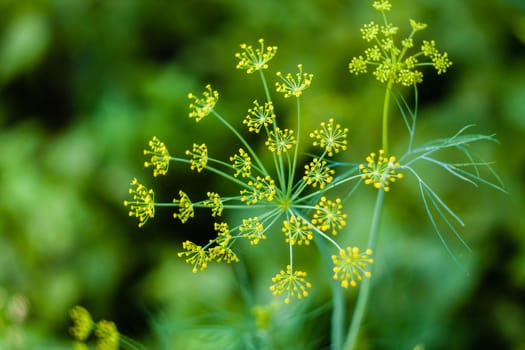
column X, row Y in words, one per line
column 274, row 199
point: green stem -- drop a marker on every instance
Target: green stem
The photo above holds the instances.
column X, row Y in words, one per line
column 364, row 290
column 265, row 85
column 296, row 149
column 337, row 322
column 386, row 105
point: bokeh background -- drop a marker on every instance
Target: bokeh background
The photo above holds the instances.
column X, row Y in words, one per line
column 84, row 84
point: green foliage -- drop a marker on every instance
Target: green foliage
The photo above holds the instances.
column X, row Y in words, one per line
column 85, row 84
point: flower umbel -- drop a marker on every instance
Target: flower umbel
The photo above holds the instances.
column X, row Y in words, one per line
column 294, row 86
column 82, row 323
column 297, row 231
column 83, row 327
column 263, row 188
column 195, row 255
column 329, row 215
column 253, row 230
column 318, row 173
column 108, row 335
column 259, row 116
column 200, row 157
column 214, row 202
column 280, row 141
column 185, row 207
column 381, row 172
column 291, row 283
column 202, row 106
column 350, row 266
column 160, row 157
column 143, row 204
column 390, row 57
column 330, row 137
column 242, row 163
column 253, row 60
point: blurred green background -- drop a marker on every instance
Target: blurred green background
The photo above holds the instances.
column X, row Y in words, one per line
column 84, row 84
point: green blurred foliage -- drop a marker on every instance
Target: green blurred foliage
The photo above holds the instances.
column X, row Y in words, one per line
column 86, row 83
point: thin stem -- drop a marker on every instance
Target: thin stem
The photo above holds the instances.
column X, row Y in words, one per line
column 364, row 290
column 337, row 322
column 265, row 85
column 386, row 105
column 296, row 150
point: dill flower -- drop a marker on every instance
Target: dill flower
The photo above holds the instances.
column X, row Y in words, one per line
column 291, row 86
column 82, row 323
column 224, row 236
column 318, row 173
column 219, row 253
column 160, row 157
column 297, row 231
column 200, row 157
column 202, row 106
column 214, row 202
column 350, row 266
column 330, row 137
column 370, row 31
column 195, row 255
column 259, row 116
column 291, row 283
column 185, row 207
column 383, row 5
column 381, row 172
column 143, row 204
column 329, row 215
column 440, row 61
column 261, row 188
column 108, row 335
column 390, row 57
column 280, row 141
column 242, row 163
column 253, row 60
column 253, row 230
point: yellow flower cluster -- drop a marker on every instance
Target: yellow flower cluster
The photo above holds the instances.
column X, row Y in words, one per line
column 215, row 203
column 329, row 215
column 280, row 141
column 390, row 59
column 202, row 106
column 143, row 204
column 318, row 173
column 106, row 332
column 200, row 257
column 252, row 60
column 199, row 157
column 259, row 116
column 350, row 266
column 195, row 255
column 381, row 172
column 160, row 157
column 185, row 207
column 297, row 231
column 242, row 163
column 330, row 137
column 291, row 283
column 294, row 86
column 263, row 188
column 252, row 229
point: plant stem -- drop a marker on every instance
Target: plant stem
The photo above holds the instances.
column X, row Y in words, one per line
column 364, row 290
column 386, row 105
column 337, row 322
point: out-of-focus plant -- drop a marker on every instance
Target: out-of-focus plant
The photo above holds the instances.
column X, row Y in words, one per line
column 302, row 195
